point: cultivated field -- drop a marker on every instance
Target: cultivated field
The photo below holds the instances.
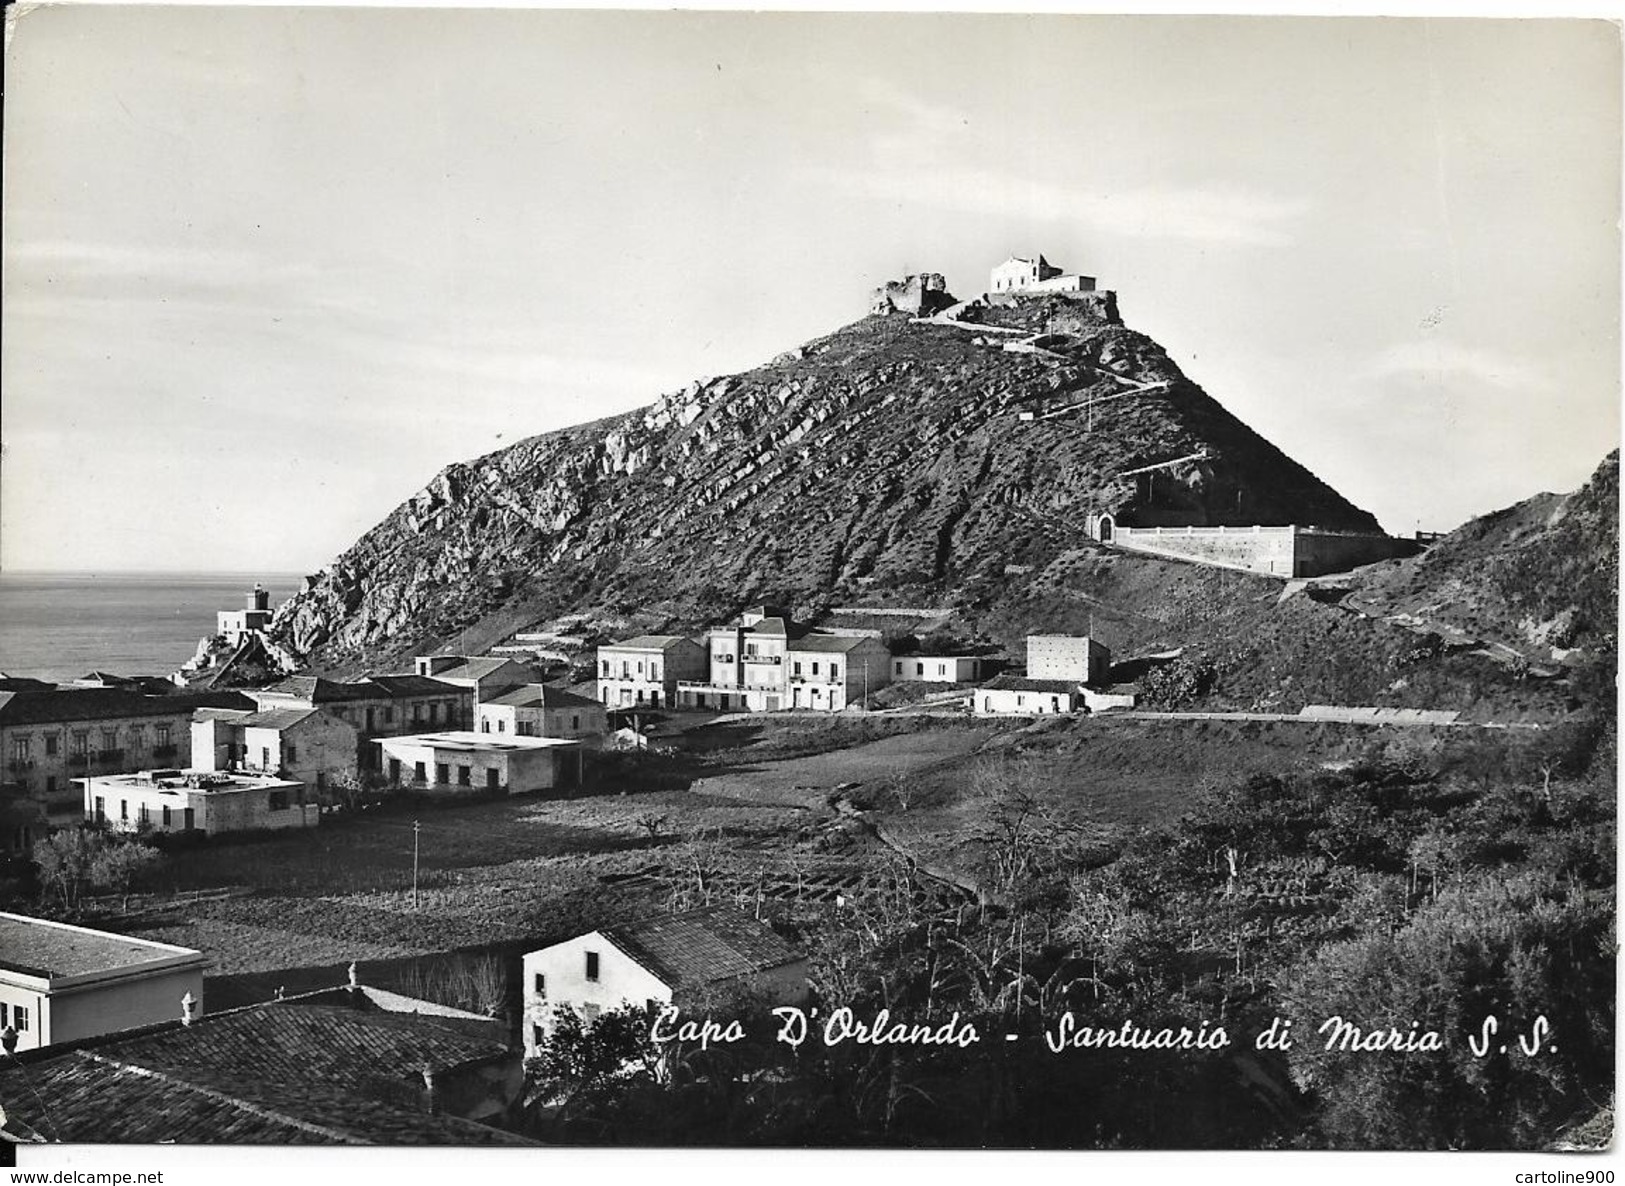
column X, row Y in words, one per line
column 755, row 820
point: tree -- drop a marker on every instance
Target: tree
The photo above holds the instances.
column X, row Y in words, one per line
column 76, row 859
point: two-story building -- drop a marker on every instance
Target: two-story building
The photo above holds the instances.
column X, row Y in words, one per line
column 1074, row 657
column 60, row 982
column 310, row 745
column 379, row 706
column 49, row 737
column 193, row 800
column 766, row 662
column 537, row 710
column 236, row 625
column 644, row 672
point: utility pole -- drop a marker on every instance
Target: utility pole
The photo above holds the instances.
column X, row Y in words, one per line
column 414, row 864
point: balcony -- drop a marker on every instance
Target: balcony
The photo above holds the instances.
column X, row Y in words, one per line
column 163, row 751
column 18, row 765
column 110, row 755
column 81, row 761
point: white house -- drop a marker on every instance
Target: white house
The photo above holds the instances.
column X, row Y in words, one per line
column 766, row 662
column 1021, row 274
column 937, row 669
column 236, row 625
column 643, row 672
column 60, row 982
column 464, row 761
column 1014, row 695
column 197, row 800
column 537, row 710
column 658, row 961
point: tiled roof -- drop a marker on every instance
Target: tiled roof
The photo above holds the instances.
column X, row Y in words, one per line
column 316, row 690
column 43, row 948
column 234, row 715
column 415, row 685
column 1020, row 683
column 646, row 642
column 277, row 718
column 63, row 705
column 286, row 1073
column 705, row 945
column 542, row 696
column 471, row 669
column 830, row 643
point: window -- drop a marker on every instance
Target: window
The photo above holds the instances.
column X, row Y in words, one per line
column 166, row 817
column 606, row 668
column 834, row 671
column 502, row 726
column 442, row 773
column 124, row 809
column 539, row 985
column 942, row 669
column 654, row 671
column 795, row 668
column 50, row 745
column 389, row 715
column 919, row 669
column 265, row 757
column 101, row 809
column 592, row 966
column 2, row 1015
column 146, row 816
column 292, row 754
column 417, row 713
column 50, row 784
column 465, row 776
column 278, row 801
column 109, row 739
column 434, row 713
column 575, row 723
column 538, row 1035
column 815, row 667
column 163, row 735
column 138, row 739
column 899, row 669
column 81, row 742
column 485, row 724
column 19, row 749
column 640, row 666
column 19, row 1015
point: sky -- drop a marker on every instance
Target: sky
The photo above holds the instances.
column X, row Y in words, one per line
column 267, row 270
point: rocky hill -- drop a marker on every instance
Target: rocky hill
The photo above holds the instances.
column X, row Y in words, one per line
column 920, row 462
column 1540, row 578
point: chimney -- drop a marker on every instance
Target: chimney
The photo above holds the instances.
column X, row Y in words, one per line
column 435, row 664
column 188, row 1004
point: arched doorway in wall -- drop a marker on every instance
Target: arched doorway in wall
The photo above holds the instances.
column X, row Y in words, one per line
column 1104, row 526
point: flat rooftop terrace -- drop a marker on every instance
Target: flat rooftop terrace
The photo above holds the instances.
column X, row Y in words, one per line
column 181, row 781
column 57, row 950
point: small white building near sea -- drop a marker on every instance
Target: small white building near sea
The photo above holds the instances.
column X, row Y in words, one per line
column 466, row 762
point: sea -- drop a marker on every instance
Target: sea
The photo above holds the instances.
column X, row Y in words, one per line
column 59, row 626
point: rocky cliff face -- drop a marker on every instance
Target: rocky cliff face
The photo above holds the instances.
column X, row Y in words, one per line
column 891, row 458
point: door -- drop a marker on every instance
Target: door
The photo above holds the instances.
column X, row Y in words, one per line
column 188, row 820
column 394, row 770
